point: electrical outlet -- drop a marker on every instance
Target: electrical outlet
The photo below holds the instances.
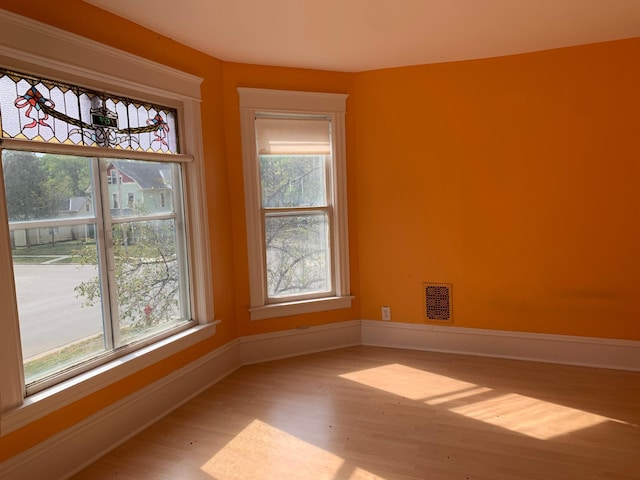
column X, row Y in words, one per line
column 386, row 314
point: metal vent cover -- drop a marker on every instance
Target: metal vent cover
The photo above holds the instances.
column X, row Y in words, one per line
column 437, row 302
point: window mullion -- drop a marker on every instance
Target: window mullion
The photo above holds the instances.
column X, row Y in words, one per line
column 263, row 253
column 142, row 218
column 177, row 191
column 12, row 372
column 102, row 152
column 254, row 216
column 340, row 233
column 294, row 210
column 106, row 260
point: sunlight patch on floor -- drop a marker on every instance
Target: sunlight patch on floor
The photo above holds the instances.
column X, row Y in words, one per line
column 260, row 447
column 518, row 413
column 409, row 382
column 530, row 416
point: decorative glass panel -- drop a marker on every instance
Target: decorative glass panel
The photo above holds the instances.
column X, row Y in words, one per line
column 44, row 110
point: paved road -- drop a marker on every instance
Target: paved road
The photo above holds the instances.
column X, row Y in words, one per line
column 50, row 314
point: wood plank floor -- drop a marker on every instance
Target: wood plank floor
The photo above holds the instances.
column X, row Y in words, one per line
column 379, row 413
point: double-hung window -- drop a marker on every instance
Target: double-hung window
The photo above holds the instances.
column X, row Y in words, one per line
column 105, row 267
column 296, row 206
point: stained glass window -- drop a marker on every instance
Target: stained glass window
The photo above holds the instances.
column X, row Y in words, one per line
column 110, row 252
column 42, row 110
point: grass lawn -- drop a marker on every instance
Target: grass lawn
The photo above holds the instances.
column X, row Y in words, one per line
column 31, row 260
column 67, row 356
column 37, row 254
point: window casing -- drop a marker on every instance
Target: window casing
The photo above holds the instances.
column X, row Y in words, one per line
column 296, row 205
column 98, row 282
column 113, row 72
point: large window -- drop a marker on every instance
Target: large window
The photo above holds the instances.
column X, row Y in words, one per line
column 296, row 201
column 89, row 282
column 104, row 267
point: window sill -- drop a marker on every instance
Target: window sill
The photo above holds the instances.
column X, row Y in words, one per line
column 58, row 396
column 300, row 307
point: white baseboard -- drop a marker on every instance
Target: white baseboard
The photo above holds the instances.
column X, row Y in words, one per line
column 69, row 451
column 66, row 453
column 300, row 341
column 563, row 349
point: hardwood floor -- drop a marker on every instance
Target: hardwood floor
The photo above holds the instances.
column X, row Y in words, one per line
column 378, row 413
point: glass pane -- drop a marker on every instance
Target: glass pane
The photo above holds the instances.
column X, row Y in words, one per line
column 298, row 256
column 45, row 110
column 139, row 188
column 293, row 181
column 45, row 187
column 152, row 295
column 59, row 300
column 55, row 263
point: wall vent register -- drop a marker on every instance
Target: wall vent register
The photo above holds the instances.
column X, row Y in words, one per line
column 437, row 302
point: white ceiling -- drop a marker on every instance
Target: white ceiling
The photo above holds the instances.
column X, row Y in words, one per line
column 357, row 35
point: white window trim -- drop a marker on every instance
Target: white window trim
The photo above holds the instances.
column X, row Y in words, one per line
column 49, row 52
column 257, row 100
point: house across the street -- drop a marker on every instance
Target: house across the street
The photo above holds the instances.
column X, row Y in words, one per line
column 134, row 188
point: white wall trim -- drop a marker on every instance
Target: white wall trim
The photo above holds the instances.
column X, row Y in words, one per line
column 539, row 347
column 58, row 396
column 292, row 101
column 40, row 47
column 44, row 50
column 255, row 101
column 68, row 452
column 301, row 341
column 71, row 450
column 300, row 307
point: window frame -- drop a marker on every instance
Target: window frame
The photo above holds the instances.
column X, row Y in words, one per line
column 284, row 103
column 48, row 52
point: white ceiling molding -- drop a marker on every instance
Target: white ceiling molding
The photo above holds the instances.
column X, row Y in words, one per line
column 43, row 50
column 359, row 35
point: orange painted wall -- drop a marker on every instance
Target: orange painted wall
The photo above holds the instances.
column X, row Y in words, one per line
column 84, row 19
column 515, row 179
column 224, row 193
